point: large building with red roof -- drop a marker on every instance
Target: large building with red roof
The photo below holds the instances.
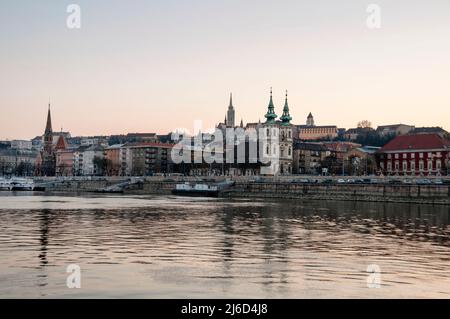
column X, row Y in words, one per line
column 415, row 155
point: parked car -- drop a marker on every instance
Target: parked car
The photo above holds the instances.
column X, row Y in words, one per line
column 423, row 182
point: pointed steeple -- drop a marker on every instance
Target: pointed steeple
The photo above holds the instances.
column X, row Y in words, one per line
column 270, row 115
column 230, row 113
column 48, row 127
column 286, row 117
column 242, row 123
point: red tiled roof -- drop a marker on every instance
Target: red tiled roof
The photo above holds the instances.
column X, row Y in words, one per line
column 61, row 143
column 419, row 142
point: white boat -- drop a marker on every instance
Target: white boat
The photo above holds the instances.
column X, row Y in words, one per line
column 21, row 184
column 5, row 185
column 201, row 189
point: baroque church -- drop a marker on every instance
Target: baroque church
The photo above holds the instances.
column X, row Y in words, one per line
column 276, row 135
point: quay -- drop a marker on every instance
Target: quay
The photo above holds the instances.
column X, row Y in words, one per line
column 392, row 189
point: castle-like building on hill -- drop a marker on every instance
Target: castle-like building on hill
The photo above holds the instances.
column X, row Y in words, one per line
column 312, row 132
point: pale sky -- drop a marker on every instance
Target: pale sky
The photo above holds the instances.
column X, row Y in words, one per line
column 154, row 66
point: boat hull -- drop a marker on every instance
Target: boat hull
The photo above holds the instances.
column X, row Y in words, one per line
column 22, row 188
column 195, row 193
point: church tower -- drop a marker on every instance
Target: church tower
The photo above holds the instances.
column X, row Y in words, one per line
column 230, row 113
column 286, row 141
column 47, row 153
column 310, row 120
column 269, row 141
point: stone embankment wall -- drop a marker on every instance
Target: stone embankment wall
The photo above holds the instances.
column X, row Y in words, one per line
column 423, row 194
column 428, row 194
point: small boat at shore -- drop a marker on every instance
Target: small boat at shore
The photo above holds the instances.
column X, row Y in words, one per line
column 201, row 189
column 21, row 184
column 5, row 185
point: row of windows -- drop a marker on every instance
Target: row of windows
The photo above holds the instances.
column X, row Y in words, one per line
column 413, row 155
column 317, row 130
column 275, row 151
column 412, row 166
column 274, row 133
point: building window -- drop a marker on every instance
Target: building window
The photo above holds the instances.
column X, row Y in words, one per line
column 389, row 156
column 397, row 165
column 413, row 166
column 267, row 132
column 421, row 155
column 396, row 156
column 382, row 165
column 405, row 155
column 413, row 155
column 389, row 166
column 430, row 165
column 438, row 165
column 421, row 165
column 430, row 155
column 405, row 166
column 290, row 151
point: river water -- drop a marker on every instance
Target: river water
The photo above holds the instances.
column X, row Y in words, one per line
column 173, row 247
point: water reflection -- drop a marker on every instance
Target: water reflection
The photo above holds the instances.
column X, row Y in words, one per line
column 173, row 247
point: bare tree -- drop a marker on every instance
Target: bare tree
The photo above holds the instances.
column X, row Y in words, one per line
column 364, row 124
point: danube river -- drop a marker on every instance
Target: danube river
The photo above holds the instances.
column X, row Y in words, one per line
column 171, row 247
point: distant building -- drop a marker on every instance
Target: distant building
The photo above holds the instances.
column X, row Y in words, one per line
column 420, row 154
column 113, row 162
column 5, row 145
column 87, row 160
column 361, row 160
column 352, row 134
column 396, row 129
column 64, row 157
column 21, row 145
column 145, row 159
column 94, row 140
column 430, row 130
column 308, row 157
column 17, row 162
column 310, row 131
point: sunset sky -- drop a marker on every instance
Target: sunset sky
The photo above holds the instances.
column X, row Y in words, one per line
column 154, row 66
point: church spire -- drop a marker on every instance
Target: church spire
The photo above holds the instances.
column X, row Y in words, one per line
column 270, row 115
column 230, row 113
column 286, row 117
column 48, row 127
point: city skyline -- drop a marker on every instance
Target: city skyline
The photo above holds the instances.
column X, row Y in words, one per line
column 155, row 67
